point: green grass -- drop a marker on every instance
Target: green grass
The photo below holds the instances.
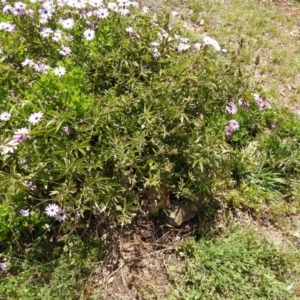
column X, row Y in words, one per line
column 238, row 265
column 64, row 277
column 268, row 34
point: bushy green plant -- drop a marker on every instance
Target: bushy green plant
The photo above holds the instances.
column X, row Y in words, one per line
column 100, row 102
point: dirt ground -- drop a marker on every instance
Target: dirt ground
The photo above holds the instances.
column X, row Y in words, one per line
column 139, row 259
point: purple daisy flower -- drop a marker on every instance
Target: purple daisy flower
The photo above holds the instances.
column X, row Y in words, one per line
column 31, row 185
column 261, row 103
column 234, row 125
column 3, row 266
column 24, row 212
column 77, row 215
column 231, row 108
column 20, row 135
column 228, row 131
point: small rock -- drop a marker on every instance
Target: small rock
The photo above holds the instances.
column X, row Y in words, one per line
column 181, row 214
column 201, row 23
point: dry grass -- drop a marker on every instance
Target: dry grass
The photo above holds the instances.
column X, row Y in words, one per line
column 267, row 30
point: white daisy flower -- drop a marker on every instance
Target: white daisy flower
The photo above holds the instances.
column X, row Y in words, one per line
column 112, row 6
column 46, row 32
column 95, row 3
column 57, row 35
column 5, row 116
column 197, row 46
column 6, row 26
column 52, row 210
column 123, row 3
column 129, row 30
column 134, row 4
column 47, row 10
column 67, row 23
column 36, row 117
column 27, row 62
column 8, row 146
column 154, row 44
column 59, row 71
column 124, row 11
column 145, row 9
column 89, row 34
column 155, row 53
column 210, row 41
column 102, row 13
column 182, row 47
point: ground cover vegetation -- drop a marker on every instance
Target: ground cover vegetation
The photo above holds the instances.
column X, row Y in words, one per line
column 100, row 101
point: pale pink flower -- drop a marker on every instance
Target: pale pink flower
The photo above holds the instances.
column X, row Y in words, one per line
column 124, row 11
column 61, row 216
column 268, row 105
column 260, row 102
column 234, row 124
column 31, row 186
column 19, row 8
column 7, row 9
column 231, row 108
column 228, row 131
column 41, row 68
column 64, row 50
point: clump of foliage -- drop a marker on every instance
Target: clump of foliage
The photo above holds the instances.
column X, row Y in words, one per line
column 99, row 101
